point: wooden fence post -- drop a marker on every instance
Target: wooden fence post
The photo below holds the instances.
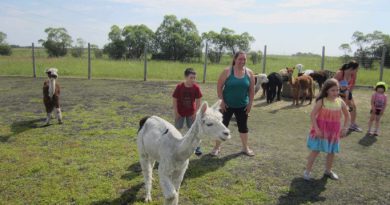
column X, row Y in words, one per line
column 89, row 61
column 205, row 63
column 382, row 63
column 323, row 58
column 33, row 61
column 264, row 57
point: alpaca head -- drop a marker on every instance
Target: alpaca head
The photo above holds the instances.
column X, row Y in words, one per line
column 261, row 78
column 211, row 121
column 290, row 71
column 299, row 68
column 52, row 73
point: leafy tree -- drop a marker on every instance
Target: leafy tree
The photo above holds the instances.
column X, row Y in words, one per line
column 97, row 52
column 347, row 49
column 136, row 38
column 5, row 49
column 226, row 41
column 256, row 56
column 177, row 40
column 57, row 42
column 116, row 49
column 78, row 49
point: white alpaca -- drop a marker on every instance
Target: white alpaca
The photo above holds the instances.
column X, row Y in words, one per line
column 260, row 79
column 158, row 140
column 304, row 72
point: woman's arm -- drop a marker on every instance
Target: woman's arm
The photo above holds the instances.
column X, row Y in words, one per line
column 221, row 81
column 251, row 90
column 347, row 116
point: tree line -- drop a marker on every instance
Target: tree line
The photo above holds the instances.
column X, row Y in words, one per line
column 369, row 48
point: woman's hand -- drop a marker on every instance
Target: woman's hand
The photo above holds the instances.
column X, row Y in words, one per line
column 344, row 132
column 318, row 132
column 248, row 108
column 223, row 106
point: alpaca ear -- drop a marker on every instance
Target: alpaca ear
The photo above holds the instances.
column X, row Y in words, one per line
column 216, row 105
column 203, row 108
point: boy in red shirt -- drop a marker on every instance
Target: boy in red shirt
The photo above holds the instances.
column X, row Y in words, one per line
column 186, row 101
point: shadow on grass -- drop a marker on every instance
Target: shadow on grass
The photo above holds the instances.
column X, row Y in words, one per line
column 128, row 196
column 302, row 192
column 206, row 164
column 368, row 140
column 21, row 126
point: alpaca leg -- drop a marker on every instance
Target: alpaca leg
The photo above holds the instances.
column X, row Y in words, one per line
column 59, row 115
column 48, row 117
column 167, row 186
column 147, row 171
column 279, row 91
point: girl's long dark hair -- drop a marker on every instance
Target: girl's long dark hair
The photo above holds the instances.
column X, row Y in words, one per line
column 236, row 56
column 352, row 64
column 327, row 85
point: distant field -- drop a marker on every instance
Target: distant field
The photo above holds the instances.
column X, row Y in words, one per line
column 20, row 64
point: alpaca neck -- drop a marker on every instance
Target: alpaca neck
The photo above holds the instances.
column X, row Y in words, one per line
column 190, row 141
column 52, row 87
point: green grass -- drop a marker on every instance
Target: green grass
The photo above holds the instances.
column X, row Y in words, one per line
column 20, row 64
column 92, row 157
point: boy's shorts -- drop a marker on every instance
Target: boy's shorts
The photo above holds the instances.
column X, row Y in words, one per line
column 180, row 122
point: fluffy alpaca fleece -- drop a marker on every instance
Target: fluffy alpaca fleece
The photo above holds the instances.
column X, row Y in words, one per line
column 302, row 84
column 260, row 80
column 51, row 95
column 274, row 86
column 286, row 72
column 158, row 140
column 319, row 76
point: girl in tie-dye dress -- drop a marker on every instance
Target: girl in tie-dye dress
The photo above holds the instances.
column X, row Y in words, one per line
column 326, row 127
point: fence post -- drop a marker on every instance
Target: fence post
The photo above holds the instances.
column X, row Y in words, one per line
column 323, row 58
column 89, row 61
column 145, row 64
column 264, row 57
column 205, row 64
column 33, row 61
column 382, row 63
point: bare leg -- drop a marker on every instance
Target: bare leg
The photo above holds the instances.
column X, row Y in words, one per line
column 377, row 123
column 329, row 162
column 244, row 141
column 310, row 160
column 372, row 118
column 353, row 113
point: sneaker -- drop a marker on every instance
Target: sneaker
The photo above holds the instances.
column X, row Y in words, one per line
column 331, row 175
column 356, row 128
column 215, row 152
column 307, row 176
column 198, row 152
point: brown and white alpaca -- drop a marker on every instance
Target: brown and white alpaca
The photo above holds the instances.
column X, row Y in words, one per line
column 286, row 72
column 302, row 84
column 51, row 95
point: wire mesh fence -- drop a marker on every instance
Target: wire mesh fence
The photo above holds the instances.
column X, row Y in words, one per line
column 33, row 61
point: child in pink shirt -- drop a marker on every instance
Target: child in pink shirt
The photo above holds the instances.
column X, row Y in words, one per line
column 378, row 106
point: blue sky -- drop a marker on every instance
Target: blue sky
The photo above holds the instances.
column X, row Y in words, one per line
column 285, row 26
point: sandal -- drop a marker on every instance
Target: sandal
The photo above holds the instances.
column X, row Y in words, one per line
column 215, row 152
column 248, row 152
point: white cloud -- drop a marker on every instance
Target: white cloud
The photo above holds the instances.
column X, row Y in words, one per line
column 306, row 16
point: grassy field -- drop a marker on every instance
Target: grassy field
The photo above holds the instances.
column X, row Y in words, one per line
column 92, row 157
column 20, row 64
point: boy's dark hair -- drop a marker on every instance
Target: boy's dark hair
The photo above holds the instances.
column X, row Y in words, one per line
column 189, row 71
